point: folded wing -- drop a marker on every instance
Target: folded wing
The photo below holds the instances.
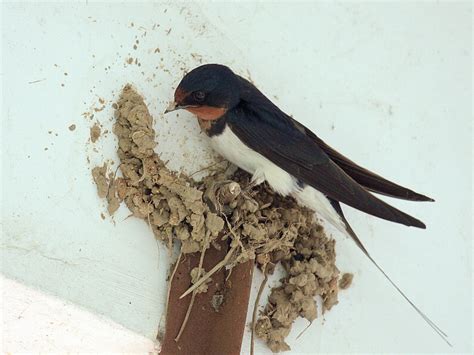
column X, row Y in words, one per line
column 364, row 177
column 277, row 138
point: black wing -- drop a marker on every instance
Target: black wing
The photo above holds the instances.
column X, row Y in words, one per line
column 364, row 177
column 273, row 134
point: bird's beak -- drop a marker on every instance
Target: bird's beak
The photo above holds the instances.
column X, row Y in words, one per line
column 173, row 106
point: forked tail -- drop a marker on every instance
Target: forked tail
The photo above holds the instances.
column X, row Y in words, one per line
column 356, row 239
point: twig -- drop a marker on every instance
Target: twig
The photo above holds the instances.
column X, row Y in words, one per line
column 211, row 272
column 171, row 279
column 222, row 263
column 231, row 231
column 148, row 216
column 186, row 317
column 207, row 167
column 255, row 307
column 300, row 334
column 191, row 303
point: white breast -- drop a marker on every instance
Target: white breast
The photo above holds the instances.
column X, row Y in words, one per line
column 233, row 149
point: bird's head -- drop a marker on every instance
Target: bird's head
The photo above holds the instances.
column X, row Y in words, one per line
column 207, row 91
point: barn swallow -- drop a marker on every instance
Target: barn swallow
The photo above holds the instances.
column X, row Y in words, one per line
column 250, row 131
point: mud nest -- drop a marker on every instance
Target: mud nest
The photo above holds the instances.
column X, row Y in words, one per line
column 257, row 223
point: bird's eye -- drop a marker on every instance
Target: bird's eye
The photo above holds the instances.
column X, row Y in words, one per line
column 199, row 96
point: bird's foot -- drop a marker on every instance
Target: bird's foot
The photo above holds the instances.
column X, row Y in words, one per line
column 249, row 190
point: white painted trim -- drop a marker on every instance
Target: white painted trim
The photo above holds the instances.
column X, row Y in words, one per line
column 33, row 321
